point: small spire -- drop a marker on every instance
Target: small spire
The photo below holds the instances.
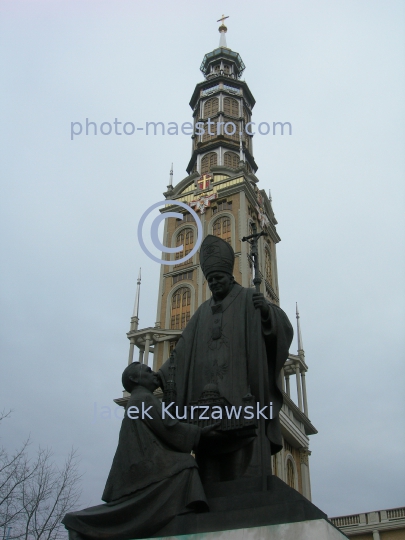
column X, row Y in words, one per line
column 170, row 186
column 134, row 320
column 171, row 176
column 138, row 291
column 300, row 344
column 270, row 199
column 222, row 30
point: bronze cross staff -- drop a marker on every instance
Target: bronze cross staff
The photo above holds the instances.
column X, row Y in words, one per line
column 252, row 239
column 223, row 18
column 170, row 391
column 254, row 253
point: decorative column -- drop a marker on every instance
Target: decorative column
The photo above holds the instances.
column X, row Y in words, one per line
column 276, row 468
column 140, row 360
column 306, row 485
column 282, row 380
column 282, row 472
column 297, row 373
column 287, row 384
column 304, row 393
column 131, row 350
column 376, row 535
column 147, row 345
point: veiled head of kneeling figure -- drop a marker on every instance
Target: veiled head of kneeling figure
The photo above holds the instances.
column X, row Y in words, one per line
column 137, row 374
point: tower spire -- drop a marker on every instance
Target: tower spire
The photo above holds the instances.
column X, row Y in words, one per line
column 300, row 344
column 225, row 68
column 222, row 30
column 136, row 303
column 134, row 318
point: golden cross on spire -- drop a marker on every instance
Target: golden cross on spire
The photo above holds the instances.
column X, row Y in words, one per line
column 223, row 18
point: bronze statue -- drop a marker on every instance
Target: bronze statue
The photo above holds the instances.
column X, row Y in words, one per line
column 234, row 345
column 228, row 357
column 153, row 477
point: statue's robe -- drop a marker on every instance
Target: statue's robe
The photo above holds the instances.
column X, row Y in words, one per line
column 152, row 479
column 246, row 358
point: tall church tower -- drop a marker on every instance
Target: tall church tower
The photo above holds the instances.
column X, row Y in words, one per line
column 222, row 188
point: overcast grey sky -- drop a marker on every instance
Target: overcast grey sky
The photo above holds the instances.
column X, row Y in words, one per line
column 69, row 213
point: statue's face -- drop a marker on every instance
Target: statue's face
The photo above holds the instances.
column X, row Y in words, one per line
column 147, row 378
column 220, row 284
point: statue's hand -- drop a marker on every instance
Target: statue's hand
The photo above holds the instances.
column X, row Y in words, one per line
column 159, row 378
column 260, row 303
column 209, row 431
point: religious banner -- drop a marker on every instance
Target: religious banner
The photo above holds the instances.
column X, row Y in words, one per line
column 263, row 219
column 203, row 202
column 261, row 216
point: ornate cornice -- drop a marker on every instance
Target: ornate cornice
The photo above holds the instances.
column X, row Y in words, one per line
column 218, row 79
column 310, row 429
column 225, row 144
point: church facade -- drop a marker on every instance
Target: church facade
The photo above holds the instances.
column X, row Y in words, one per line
column 222, row 188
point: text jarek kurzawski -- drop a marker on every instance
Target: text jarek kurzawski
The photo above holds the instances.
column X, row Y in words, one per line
column 204, row 412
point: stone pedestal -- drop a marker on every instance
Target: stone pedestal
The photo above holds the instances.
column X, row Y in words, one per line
column 247, row 508
column 317, row 529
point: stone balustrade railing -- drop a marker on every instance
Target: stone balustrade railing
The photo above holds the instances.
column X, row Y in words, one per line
column 369, row 519
column 396, row 513
column 346, row 520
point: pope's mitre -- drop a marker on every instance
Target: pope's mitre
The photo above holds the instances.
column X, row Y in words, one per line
column 216, row 255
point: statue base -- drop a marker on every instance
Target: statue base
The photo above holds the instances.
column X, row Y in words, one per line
column 243, row 507
column 317, row 529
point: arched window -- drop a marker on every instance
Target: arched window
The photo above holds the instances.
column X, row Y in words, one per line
column 185, row 238
column 180, row 311
column 222, row 228
column 208, row 161
column 231, row 106
column 231, row 160
column 267, row 266
column 211, row 107
column 207, row 137
column 290, row 473
column 235, row 129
